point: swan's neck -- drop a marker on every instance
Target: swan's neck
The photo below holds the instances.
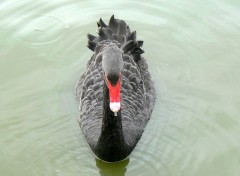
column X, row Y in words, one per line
column 111, row 144
column 111, row 123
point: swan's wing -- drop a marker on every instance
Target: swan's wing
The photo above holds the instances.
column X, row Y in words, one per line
column 132, row 102
column 90, row 92
column 149, row 88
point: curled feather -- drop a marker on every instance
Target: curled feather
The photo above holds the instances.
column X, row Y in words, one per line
column 118, row 31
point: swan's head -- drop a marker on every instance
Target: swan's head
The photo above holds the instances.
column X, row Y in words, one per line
column 112, row 66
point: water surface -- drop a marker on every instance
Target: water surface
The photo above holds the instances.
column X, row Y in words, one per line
column 192, row 48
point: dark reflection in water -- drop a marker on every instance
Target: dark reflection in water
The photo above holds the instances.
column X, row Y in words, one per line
column 109, row 169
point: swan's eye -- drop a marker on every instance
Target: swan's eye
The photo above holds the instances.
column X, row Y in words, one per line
column 105, row 78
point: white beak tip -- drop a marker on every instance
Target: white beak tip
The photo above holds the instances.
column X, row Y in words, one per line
column 115, row 106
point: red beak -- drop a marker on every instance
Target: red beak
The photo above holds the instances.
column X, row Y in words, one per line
column 114, row 94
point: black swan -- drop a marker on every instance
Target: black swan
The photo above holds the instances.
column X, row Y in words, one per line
column 116, row 92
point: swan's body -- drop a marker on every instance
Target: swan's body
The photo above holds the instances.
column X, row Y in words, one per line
column 113, row 121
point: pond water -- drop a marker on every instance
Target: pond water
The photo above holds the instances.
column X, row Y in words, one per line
column 193, row 52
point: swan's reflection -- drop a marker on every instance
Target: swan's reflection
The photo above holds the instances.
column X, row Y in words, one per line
column 109, row 169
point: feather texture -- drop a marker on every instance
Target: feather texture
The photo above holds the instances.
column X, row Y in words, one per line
column 137, row 88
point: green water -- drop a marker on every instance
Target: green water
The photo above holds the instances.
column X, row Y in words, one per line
column 193, row 52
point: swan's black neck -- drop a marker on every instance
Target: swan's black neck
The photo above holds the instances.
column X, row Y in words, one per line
column 111, row 145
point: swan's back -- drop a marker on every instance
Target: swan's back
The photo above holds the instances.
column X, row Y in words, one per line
column 137, row 88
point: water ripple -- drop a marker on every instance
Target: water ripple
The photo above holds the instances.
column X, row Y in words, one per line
column 192, row 49
column 39, row 30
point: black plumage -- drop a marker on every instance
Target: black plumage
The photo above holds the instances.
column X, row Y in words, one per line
column 112, row 138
